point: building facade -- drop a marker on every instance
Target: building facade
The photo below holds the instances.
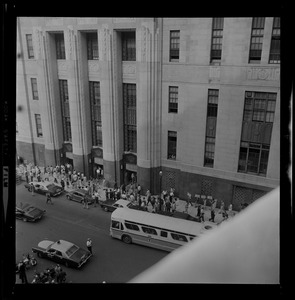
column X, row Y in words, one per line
column 192, row 103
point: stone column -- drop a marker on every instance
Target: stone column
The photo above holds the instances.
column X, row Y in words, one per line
column 79, row 101
column 49, row 95
column 149, row 105
column 107, row 102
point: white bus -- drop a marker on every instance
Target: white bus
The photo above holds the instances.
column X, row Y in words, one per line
column 154, row 230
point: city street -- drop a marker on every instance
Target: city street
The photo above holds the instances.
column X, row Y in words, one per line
column 113, row 261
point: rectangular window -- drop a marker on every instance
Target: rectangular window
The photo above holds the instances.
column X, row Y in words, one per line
column 275, row 46
column 95, row 106
column 256, row 40
column 216, row 43
column 172, row 144
column 65, row 105
column 164, row 233
column 131, row 226
column 92, row 46
column 259, row 107
column 128, row 46
column 253, row 158
column 211, row 127
column 60, row 46
column 38, row 125
column 174, row 45
column 259, row 110
column 129, row 103
column 173, row 99
column 34, row 88
column 179, row 237
column 149, row 230
column 30, row 46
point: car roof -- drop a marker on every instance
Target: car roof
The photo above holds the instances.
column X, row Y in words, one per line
column 122, row 202
column 82, row 191
column 23, row 206
column 62, row 246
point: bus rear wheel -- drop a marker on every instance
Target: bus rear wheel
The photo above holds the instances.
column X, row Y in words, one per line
column 126, row 239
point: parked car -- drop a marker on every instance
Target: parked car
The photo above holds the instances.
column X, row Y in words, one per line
column 78, row 195
column 45, row 187
column 110, row 205
column 63, row 252
column 28, row 213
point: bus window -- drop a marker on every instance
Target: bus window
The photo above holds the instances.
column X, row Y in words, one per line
column 179, row 237
column 149, row 230
column 132, row 226
column 164, row 233
column 116, row 224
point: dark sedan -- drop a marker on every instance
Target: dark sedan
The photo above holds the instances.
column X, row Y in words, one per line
column 44, row 188
column 78, row 195
column 28, row 213
column 63, row 252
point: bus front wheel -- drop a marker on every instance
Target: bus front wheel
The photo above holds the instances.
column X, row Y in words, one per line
column 126, row 239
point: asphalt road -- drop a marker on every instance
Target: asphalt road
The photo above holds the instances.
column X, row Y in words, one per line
column 112, row 261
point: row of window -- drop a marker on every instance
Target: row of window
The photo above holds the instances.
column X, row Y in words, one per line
column 128, row 46
column 256, row 41
column 150, row 230
column 129, row 43
column 259, row 111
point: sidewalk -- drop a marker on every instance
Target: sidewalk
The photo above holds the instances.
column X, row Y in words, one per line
column 180, row 204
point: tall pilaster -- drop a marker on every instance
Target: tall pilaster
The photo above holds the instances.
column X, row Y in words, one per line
column 107, row 102
column 79, row 104
column 149, row 104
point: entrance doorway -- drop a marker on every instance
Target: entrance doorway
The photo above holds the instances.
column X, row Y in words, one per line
column 130, row 177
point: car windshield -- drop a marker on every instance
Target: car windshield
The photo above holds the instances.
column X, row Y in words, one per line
column 72, row 250
column 50, row 186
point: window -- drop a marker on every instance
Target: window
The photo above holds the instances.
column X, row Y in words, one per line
column 164, row 233
column 30, row 46
column 256, row 40
column 95, row 106
column 172, row 144
column 92, row 46
column 259, row 107
column 253, row 158
column 211, row 127
column 274, row 55
column 38, row 125
column 259, row 110
column 179, row 237
column 117, row 225
column 174, row 45
column 129, row 103
column 216, row 43
column 149, row 230
column 65, row 105
column 128, row 46
column 173, row 99
column 34, row 88
column 60, row 46
column 131, row 226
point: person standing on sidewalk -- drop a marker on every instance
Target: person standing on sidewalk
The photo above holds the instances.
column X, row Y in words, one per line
column 212, row 215
column 22, row 273
column 48, row 198
column 202, row 214
column 89, row 245
column 33, row 189
column 85, row 202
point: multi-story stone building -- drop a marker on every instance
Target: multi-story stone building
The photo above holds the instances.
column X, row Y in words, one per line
column 192, row 104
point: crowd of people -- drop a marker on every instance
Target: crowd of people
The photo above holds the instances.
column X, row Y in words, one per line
column 167, row 202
